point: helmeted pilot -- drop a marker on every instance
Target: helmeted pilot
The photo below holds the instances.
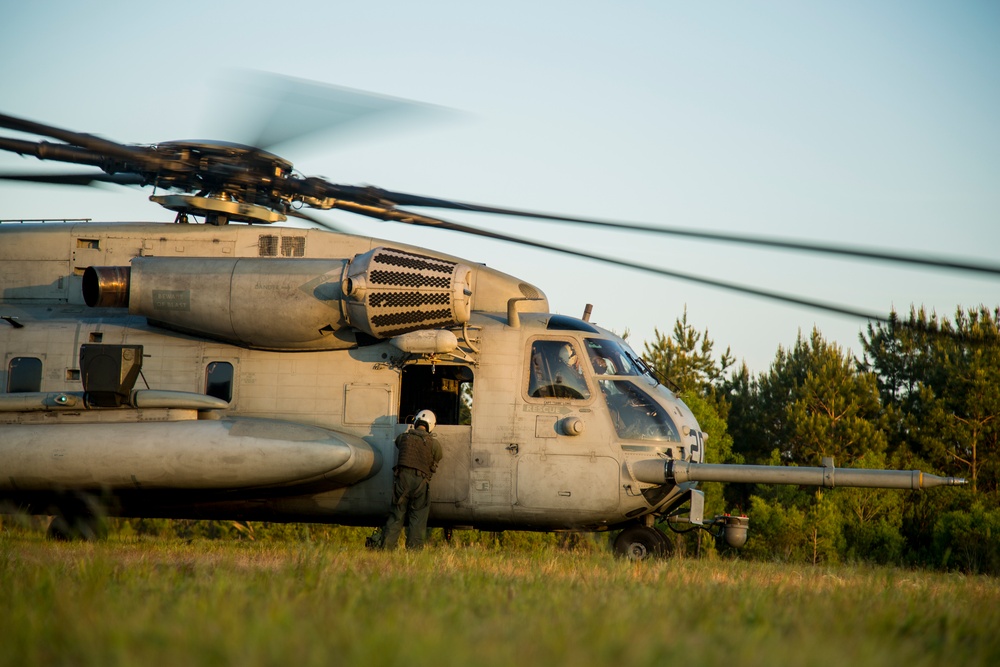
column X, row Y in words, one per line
column 419, row 454
column 569, row 360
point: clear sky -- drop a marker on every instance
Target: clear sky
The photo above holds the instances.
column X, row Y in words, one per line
column 873, row 124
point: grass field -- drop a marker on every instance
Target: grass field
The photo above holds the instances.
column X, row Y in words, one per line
column 160, row 601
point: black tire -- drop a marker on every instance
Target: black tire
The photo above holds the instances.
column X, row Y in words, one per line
column 78, row 516
column 640, row 543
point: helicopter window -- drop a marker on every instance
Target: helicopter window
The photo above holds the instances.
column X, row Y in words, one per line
column 219, row 380
column 636, row 416
column 610, row 358
column 567, row 323
column 24, row 374
column 556, row 371
column 443, row 389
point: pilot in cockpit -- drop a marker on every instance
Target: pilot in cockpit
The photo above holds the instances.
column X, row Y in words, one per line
column 556, row 371
column 601, row 364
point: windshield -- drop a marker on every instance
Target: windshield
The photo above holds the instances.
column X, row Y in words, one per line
column 610, row 358
column 635, row 414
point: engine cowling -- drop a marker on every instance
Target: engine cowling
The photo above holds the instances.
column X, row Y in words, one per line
column 262, row 303
column 289, row 304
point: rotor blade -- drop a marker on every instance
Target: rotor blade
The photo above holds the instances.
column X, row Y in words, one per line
column 76, row 179
column 403, row 199
column 44, row 150
column 88, row 141
column 283, row 110
column 426, row 221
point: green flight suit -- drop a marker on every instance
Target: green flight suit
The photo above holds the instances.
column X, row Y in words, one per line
column 419, row 453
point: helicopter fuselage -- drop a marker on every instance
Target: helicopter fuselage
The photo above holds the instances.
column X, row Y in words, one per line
column 271, row 386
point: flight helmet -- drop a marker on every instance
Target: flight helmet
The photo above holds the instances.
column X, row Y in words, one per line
column 428, row 419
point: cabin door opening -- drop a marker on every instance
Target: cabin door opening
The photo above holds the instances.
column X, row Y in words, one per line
column 446, row 390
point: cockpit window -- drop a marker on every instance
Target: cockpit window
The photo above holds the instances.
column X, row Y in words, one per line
column 610, row 358
column 635, row 414
column 556, row 371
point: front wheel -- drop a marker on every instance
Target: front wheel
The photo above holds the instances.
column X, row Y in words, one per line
column 640, row 543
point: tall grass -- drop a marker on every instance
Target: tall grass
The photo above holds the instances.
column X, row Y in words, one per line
column 168, row 601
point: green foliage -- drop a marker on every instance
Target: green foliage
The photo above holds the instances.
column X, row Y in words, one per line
column 969, row 541
column 687, row 358
column 719, row 444
column 777, row 532
column 940, row 386
column 872, row 519
column 812, row 403
column 877, row 541
column 926, row 396
column 824, row 530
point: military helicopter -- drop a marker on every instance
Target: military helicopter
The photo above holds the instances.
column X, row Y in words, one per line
column 240, row 369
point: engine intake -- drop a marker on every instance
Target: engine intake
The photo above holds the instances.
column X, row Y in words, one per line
column 392, row 292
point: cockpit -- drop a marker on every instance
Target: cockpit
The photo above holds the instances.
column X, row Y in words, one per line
column 559, row 369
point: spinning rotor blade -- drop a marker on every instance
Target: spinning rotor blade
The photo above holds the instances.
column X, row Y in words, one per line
column 44, row 150
column 259, row 179
column 403, row 199
column 282, row 110
column 398, row 215
column 76, row 179
column 78, row 139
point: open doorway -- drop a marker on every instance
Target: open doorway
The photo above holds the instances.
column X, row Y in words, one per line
column 444, row 389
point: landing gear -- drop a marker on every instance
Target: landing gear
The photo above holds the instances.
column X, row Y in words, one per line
column 77, row 516
column 641, row 542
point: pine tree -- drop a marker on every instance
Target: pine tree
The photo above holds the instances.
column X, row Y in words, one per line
column 686, row 358
column 812, row 403
column 940, row 387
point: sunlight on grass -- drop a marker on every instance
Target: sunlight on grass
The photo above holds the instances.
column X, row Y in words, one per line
column 165, row 601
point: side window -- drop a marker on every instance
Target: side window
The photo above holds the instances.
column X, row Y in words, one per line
column 24, row 374
column 219, row 380
column 555, row 371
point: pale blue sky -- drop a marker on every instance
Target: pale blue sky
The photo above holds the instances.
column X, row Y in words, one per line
column 850, row 122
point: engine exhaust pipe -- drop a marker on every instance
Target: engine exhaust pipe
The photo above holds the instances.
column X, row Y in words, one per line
column 106, row 286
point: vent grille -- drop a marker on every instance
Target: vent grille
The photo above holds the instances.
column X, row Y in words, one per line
column 290, row 246
column 293, row 246
column 409, row 260
column 400, row 279
column 406, row 299
column 396, row 291
column 267, row 246
column 528, row 291
column 412, row 317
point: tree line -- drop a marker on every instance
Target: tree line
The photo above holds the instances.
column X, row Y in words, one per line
column 924, row 394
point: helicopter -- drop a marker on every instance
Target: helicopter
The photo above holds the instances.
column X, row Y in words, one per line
column 244, row 370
